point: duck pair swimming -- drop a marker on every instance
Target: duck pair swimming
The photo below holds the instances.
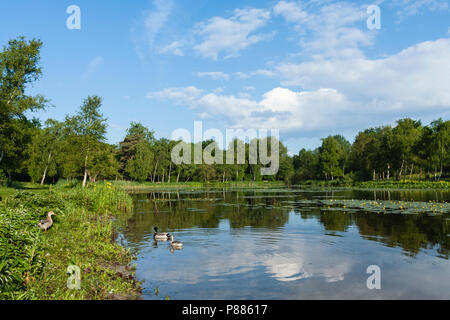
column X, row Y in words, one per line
column 165, row 236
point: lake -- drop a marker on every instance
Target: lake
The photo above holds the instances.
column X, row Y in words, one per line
column 300, row 243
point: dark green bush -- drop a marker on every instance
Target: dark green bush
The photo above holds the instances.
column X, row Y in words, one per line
column 19, row 248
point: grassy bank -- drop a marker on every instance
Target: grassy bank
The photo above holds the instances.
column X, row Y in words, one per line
column 6, row 191
column 405, row 184
column 33, row 264
column 386, row 184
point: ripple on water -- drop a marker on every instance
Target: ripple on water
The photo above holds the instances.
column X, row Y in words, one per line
column 280, row 245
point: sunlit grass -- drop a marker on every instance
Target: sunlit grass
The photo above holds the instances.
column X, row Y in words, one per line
column 34, row 263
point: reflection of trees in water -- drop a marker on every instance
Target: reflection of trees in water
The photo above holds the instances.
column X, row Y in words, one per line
column 205, row 209
column 172, row 210
column 411, row 232
column 402, row 195
column 336, row 221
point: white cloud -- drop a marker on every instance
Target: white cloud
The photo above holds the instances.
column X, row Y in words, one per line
column 414, row 7
column 330, row 31
column 229, row 36
column 291, row 11
column 155, row 20
column 259, row 72
column 414, row 79
column 93, row 66
column 179, row 95
column 244, row 95
column 173, row 48
column 241, row 75
column 263, row 72
column 150, row 25
column 280, row 108
column 340, row 94
column 214, row 75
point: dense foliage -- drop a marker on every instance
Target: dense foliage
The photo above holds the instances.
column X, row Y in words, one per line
column 33, row 263
column 407, row 150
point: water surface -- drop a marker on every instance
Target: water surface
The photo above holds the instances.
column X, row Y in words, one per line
column 292, row 243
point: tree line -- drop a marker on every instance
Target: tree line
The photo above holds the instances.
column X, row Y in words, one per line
column 76, row 148
column 406, row 150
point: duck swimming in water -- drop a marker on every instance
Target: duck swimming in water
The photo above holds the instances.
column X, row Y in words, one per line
column 175, row 244
column 162, row 236
column 47, row 223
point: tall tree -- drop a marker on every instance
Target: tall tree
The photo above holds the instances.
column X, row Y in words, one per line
column 286, row 165
column 330, row 156
column 441, row 142
column 371, row 153
column 102, row 163
column 136, row 134
column 406, row 136
column 88, row 128
column 140, row 165
column 344, row 151
column 44, row 150
column 306, row 165
column 19, row 67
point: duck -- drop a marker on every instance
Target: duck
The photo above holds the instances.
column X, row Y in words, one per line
column 47, row 223
column 162, row 236
column 178, row 245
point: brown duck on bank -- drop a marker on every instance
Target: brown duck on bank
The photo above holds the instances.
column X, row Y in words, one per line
column 47, row 223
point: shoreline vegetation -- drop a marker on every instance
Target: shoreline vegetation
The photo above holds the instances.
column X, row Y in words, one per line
column 391, row 184
column 34, row 263
column 132, row 186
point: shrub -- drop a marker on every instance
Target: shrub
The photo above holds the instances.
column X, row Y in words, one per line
column 19, row 248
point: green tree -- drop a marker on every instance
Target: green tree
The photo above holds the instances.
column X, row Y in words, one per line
column 19, row 67
column 406, row 135
column 102, row 164
column 163, row 161
column 372, row 154
column 330, row 155
column 140, row 166
column 136, row 134
column 88, row 129
column 240, row 161
column 344, row 152
column 286, row 166
column 441, row 143
column 306, row 165
column 44, row 151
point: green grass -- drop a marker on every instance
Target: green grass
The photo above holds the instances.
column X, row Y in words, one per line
column 33, row 264
column 405, row 184
column 386, row 184
column 7, row 191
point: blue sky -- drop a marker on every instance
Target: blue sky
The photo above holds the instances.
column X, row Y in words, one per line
column 308, row 68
